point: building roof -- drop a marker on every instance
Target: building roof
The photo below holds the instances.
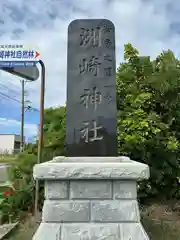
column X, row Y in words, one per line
column 1, row 134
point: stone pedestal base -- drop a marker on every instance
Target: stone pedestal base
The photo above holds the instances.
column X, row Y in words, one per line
column 91, row 231
column 91, row 199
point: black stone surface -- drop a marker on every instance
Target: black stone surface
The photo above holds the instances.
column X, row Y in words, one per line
column 91, row 89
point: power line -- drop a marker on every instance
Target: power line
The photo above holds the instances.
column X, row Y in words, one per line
column 23, row 107
column 4, row 84
column 22, row 102
column 8, row 97
column 9, row 89
column 14, row 90
column 10, row 82
column 16, row 100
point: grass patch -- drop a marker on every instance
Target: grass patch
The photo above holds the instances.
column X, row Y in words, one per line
column 160, row 230
column 25, row 231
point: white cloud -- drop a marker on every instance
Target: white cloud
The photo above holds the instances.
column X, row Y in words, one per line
column 148, row 25
column 144, row 23
column 29, row 129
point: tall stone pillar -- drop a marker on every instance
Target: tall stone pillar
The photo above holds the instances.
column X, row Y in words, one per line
column 91, row 198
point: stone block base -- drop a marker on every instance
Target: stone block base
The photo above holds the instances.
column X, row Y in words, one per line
column 91, row 199
column 90, row 231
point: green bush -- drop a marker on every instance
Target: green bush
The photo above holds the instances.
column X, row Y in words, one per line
column 13, row 200
column 149, row 118
column 7, row 201
column 21, row 174
column 22, row 197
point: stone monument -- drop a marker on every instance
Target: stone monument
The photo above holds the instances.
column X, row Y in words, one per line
column 91, row 193
column 91, row 89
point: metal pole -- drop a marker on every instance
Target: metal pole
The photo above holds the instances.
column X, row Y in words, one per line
column 22, row 116
column 41, row 133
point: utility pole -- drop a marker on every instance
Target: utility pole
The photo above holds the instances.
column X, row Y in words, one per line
column 22, row 115
column 41, row 133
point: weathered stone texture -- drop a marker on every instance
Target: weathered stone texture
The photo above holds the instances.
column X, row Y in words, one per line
column 65, row 211
column 125, row 189
column 114, row 169
column 115, row 211
column 91, row 189
column 48, row 231
column 132, row 231
column 90, row 232
column 56, row 189
column 91, row 200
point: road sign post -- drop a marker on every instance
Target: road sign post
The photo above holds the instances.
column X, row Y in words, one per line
column 28, row 73
column 28, row 70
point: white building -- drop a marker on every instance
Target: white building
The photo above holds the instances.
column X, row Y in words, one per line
column 9, row 143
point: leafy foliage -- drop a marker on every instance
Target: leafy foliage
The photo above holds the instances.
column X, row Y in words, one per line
column 6, row 201
column 54, row 131
column 148, row 117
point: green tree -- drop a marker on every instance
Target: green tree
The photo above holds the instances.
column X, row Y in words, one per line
column 149, row 117
column 54, row 131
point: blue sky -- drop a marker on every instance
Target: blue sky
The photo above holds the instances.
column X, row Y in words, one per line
column 151, row 26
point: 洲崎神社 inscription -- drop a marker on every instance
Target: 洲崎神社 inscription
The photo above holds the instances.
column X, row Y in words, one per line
column 91, row 89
